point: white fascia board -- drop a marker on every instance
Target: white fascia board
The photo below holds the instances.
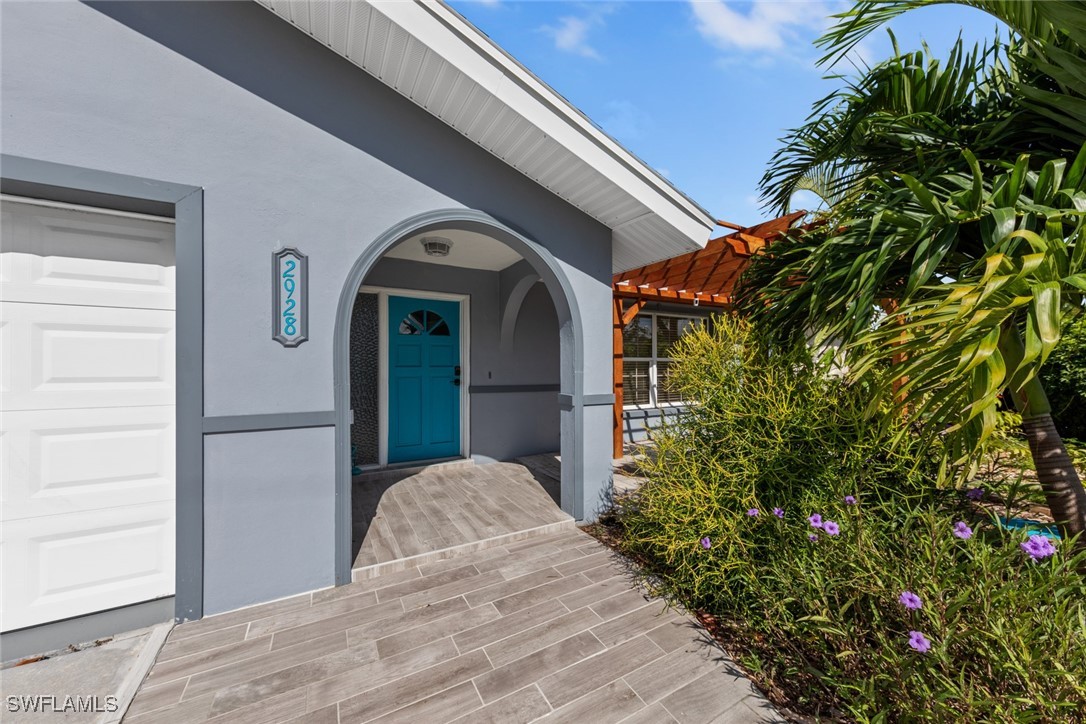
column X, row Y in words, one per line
column 446, row 33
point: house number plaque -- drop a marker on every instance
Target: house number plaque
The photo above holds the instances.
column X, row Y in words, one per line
column 290, row 312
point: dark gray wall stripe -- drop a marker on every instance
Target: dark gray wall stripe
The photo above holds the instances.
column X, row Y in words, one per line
column 568, row 401
column 189, row 241
column 273, row 421
column 493, row 389
column 73, row 184
column 89, row 181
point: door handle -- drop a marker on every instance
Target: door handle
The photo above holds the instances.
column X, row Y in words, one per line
column 457, row 382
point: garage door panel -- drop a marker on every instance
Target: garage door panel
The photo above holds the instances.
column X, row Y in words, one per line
column 76, row 357
column 65, row 256
column 83, row 562
column 64, row 461
column 7, row 356
column 87, row 430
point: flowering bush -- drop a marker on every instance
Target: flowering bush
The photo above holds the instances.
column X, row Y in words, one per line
column 913, row 605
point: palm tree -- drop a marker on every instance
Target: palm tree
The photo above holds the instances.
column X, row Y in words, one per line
column 961, row 197
column 1022, row 94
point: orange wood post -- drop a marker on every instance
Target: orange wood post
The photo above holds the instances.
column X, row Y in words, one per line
column 616, row 319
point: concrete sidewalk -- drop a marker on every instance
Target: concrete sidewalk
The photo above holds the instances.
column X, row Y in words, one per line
column 95, row 684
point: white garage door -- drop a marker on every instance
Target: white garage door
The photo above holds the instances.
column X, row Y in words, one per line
column 87, row 415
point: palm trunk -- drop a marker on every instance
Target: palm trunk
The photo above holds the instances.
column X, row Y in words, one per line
column 1056, row 474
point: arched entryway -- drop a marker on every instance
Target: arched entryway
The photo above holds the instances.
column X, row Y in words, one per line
column 535, row 266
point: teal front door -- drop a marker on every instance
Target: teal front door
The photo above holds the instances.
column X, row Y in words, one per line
column 423, row 379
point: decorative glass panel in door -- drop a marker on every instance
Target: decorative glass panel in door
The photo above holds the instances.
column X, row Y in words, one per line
column 424, row 381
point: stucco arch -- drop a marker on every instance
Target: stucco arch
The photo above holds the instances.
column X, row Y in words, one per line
column 571, row 340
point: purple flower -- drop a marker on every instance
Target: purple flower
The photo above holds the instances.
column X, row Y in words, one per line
column 850, row 500
column 919, row 642
column 779, row 512
column 831, row 528
column 1038, row 547
column 812, row 537
column 815, row 520
column 975, row 493
column 753, row 512
column 910, row 600
column 706, row 543
column 962, row 530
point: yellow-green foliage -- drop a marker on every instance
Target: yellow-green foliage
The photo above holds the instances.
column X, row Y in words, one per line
column 771, row 428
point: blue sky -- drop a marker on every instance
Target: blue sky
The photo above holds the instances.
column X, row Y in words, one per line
column 701, row 90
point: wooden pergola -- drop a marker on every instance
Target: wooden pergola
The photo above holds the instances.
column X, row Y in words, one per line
column 705, row 277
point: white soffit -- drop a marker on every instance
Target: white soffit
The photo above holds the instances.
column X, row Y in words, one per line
column 433, row 56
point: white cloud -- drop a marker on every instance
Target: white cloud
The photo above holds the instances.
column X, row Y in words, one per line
column 571, row 35
column 625, row 121
column 765, row 24
column 571, row 32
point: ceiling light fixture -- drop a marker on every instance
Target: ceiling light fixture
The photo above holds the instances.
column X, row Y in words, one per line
column 436, row 245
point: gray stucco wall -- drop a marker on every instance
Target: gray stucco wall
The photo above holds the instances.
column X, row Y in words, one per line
column 292, row 146
column 260, row 540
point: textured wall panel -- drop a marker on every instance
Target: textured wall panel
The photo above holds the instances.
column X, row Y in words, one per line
column 364, row 379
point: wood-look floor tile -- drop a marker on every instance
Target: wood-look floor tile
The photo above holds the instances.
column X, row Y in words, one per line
column 537, row 637
column 439, row 707
column 530, row 669
column 509, row 625
column 609, row 704
column 520, row 707
column 377, row 674
column 242, row 671
column 195, row 644
column 533, row 596
column 704, row 699
column 574, row 682
column 445, row 626
column 293, row 678
column 186, row 666
column 421, row 617
column 414, row 687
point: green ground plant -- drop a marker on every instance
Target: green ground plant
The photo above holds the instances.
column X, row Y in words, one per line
column 899, row 601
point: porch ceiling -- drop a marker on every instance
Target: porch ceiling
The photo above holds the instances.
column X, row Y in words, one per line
column 433, row 56
column 469, row 251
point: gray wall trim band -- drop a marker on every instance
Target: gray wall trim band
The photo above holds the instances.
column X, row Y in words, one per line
column 63, row 176
column 491, row 389
column 57, row 635
column 273, row 421
column 73, row 184
column 565, row 302
column 568, row 402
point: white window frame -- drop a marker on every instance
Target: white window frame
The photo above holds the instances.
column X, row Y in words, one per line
column 654, row 399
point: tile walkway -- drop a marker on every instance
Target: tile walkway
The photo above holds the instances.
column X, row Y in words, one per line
column 405, row 517
column 548, row 629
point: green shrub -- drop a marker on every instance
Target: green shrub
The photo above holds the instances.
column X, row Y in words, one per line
column 1064, row 378
column 820, row 619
